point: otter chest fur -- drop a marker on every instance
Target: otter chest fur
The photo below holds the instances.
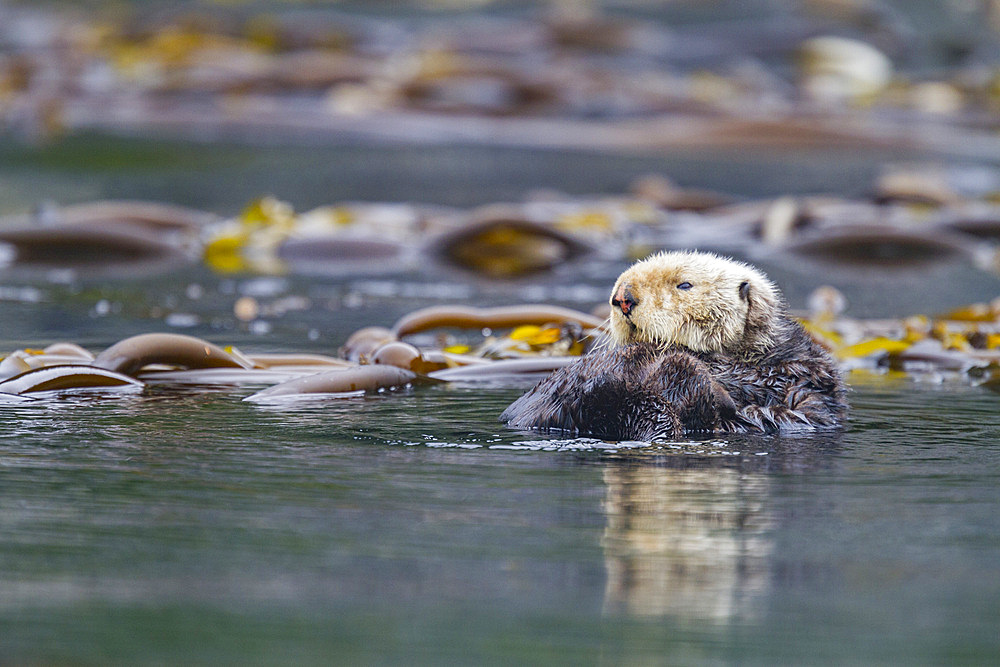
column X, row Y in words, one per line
column 697, row 343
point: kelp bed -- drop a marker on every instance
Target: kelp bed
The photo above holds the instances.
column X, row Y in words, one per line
column 531, row 340
column 916, row 217
column 562, row 75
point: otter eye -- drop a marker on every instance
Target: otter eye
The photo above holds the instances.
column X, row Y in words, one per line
column 684, row 285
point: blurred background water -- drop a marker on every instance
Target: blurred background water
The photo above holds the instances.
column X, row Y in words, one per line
column 183, row 525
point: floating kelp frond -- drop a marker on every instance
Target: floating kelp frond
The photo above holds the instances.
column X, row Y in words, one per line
column 568, row 339
column 469, row 317
column 535, row 335
column 836, row 69
column 665, row 193
column 278, row 360
column 504, row 369
column 965, row 341
column 408, row 357
column 885, row 247
column 975, row 312
column 15, row 398
column 69, row 350
column 133, row 354
column 536, row 329
column 984, row 225
column 349, row 382
column 877, row 345
column 249, row 241
column 270, row 237
column 67, row 378
column 229, row 377
column 109, row 249
column 157, row 217
column 445, row 82
column 362, row 343
column 19, row 361
column 343, row 256
column 545, row 231
column 916, row 186
column 508, row 247
column 104, row 237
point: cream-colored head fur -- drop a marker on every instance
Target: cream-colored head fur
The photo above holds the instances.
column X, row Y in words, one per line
column 697, row 300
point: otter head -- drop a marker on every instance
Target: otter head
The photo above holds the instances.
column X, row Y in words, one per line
column 696, row 300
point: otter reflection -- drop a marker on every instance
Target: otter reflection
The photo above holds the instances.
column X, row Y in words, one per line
column 693, row 543
column 692, row 536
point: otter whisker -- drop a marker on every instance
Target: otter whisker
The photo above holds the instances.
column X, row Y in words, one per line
column 603, row 340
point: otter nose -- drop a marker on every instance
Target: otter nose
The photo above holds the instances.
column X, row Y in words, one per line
column 624, row 300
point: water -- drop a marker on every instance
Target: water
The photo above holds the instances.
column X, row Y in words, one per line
column 189, row 526
column 183, row 525
column 224, row 178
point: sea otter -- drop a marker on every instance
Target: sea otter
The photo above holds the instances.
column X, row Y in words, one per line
column 696, row 344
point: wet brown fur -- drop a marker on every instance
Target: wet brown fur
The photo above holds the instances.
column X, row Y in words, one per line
column 719, row 356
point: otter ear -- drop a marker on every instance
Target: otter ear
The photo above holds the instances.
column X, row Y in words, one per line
column 761, row 303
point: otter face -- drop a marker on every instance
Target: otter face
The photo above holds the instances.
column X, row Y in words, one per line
column 697, row 300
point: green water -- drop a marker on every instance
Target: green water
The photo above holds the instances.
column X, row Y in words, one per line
column 188, row 526
column 184, row 526
column 225, row 177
